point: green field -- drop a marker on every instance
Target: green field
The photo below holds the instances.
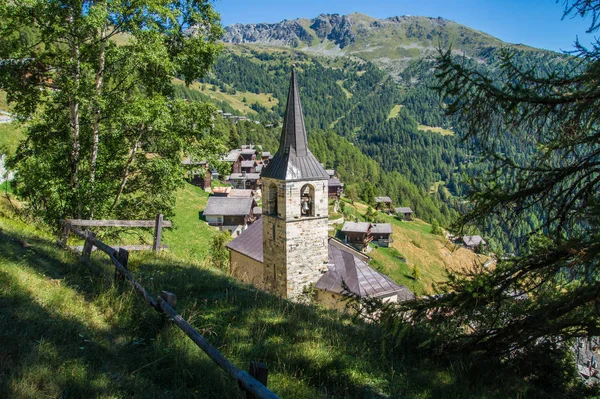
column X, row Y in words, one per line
column 69, row 331
column 435, row 129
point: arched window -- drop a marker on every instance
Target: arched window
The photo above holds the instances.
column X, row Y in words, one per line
column 307, row 200
column 272, row 200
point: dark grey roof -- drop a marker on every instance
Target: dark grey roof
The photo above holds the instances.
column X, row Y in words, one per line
column 381, row 228
column 383, row 199
column 404, row 210
column 473, row 240
column 349, row 266
column 293, row 160
column 228, row 206
column 250, row 242
column 335, row 182
column 356, row 227
column 242, row 176
column 248, row 164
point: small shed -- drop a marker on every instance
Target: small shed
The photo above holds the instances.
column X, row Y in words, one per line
column 336, row 188
column 404, row 213
column 383, row 203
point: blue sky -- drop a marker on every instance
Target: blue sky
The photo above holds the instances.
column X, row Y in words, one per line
column 534, row 22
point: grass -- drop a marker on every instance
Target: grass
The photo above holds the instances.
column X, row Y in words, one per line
column 395, row 111
column 10, row 136
column 69, row 331
column 432, row 254
column 235, row 100
column 346, row 92
column 440, row 130
column 3, row 104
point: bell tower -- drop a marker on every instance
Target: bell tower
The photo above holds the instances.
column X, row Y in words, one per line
column 295, row 208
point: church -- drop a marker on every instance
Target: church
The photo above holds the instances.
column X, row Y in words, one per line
column 288, row 249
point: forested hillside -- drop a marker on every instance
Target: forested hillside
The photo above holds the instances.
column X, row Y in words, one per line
column 387, row 112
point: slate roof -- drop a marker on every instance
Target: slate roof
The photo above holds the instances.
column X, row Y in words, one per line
column 232, row 156
column 242, row 176
column 228, row 206
column 356, row 227
column 330, row 172
column 293, row 160
column 248, row 151
column 404, row 210
column 381, row 228
column 348, row 266
column 335, row 182
column 248, row 164
column 383, row 199
column 257, row 210
column 250, row 242
column 266, row 154
column 473, row 240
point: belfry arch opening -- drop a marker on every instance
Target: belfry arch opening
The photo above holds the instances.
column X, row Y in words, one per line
column 307, row 201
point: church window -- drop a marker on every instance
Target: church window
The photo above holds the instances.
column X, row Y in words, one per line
column 307, row 200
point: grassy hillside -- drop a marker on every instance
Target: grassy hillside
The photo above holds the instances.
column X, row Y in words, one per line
column 68, row 331
column 414, row 245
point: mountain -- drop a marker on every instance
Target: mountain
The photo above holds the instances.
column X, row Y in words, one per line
column 390, row 43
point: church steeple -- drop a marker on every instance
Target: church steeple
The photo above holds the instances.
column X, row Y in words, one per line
column 293, row 160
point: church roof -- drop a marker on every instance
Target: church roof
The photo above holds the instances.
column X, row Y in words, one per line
column 293, row 160
column 348, row 266
column 250, row 242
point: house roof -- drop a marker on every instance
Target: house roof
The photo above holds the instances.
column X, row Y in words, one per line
column 242, row 176
column 257, row 210
column 266, row 154
column 248, row 151
column 347, row 266
column 356, row 227
column 248, row 164
column 383, row 199
column 250, row 242
column 221, row 190
column 240, row 193
column 335, row 182
column 293, row 160
column 473, row 240
column 381, row 228
column 228, row 206
column 232, row 156
column 404, row 210
column 330, row 172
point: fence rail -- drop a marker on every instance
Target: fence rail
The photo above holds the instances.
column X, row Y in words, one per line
column 253, row 383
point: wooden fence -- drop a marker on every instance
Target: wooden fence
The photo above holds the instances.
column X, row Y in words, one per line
column 253, row 382
column 158, row 225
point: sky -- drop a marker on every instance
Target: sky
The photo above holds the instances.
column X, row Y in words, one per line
column 533, row 22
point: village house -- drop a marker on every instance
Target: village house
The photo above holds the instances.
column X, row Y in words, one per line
column 288, row 249
column 360, row 234
column 404, row 213
column 244, row 180
column 473, row 242
column 383, row 204
column 198, row 173
column 230, row 213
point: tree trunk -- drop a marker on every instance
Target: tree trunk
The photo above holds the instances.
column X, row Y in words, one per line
column 74, row 110
column 126, row 173
column 96, row 128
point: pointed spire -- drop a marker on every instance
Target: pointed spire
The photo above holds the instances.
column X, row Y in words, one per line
column 293, row 134
column 294, row 161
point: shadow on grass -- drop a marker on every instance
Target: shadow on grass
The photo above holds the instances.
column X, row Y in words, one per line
column 133, row 351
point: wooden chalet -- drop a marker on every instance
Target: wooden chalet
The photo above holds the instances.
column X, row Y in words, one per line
column 383, row 204
column 404, row 213
column 230, row 213
column 472, row 242
column 381, row 234
column 357, row 234
column 336, row 188
column 244, row 180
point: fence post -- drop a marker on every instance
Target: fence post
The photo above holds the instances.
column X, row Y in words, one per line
column 169, row 298
column 64, row 236
column 123, row 258
column 88, row 246
column 260, row 372
column 157, row 233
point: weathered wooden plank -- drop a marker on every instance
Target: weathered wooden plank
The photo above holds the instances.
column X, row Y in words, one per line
column 127, row 247
column 158, row 232
column 259, row 371
column 246, row 381
column 116, row 223
column 87, row 247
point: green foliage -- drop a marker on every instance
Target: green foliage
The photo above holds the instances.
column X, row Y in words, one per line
column 104, row 136
column 218, row 252
column 435, row 228
column 416, row 274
